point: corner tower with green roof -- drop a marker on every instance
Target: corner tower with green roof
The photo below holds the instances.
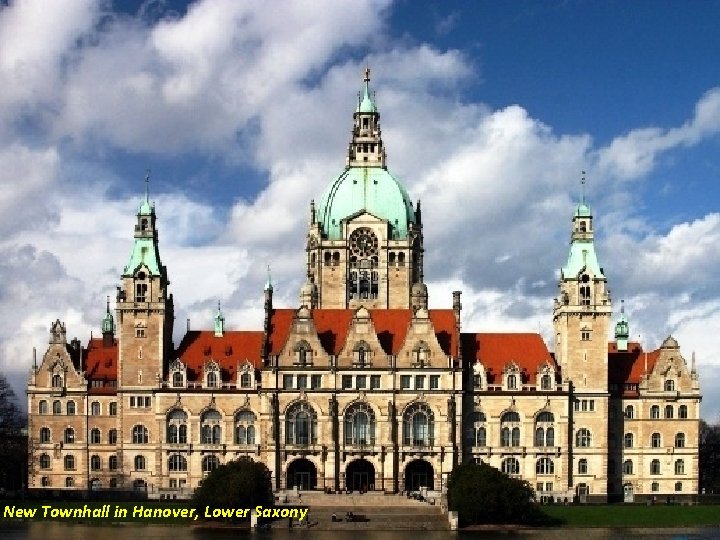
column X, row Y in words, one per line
column 365, row 240
column 144, row 309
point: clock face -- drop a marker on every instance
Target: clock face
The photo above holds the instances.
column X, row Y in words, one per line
column 363, row 242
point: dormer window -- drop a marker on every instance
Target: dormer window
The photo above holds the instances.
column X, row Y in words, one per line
column 212, row 375
column 512, row 382
column 421, row 354
column 512, row 377
column 303, row 354
column 246, row 379
column 546, row 382
column 178, row 380
column 361, row 354
column 177, row 374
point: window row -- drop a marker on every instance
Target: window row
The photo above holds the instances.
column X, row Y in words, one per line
column 45, row 436
column 140, row 402
column 360, row 382
column 669, row 412
column 584, row 405
column 71, row 408
column 301, row 382
column 655, row 440
column 655, row 467
column 420, row 382
column 513, row 381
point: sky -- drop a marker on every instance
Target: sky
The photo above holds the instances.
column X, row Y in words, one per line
column 242, row 114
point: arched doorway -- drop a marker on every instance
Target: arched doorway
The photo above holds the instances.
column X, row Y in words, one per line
column 302, row 474
column 360, row 475
column 628, row 493
column 418, row 474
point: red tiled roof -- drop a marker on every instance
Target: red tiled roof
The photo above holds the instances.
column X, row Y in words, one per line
column 391, row 326
column 228, row 350
column 628, row 367
column 100, row 363
column 332, row 327
column 496, row 350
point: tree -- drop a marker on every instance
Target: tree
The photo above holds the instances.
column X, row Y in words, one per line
column 709, row 458
column 13, row 442
column 239, row 484
column 482, row 494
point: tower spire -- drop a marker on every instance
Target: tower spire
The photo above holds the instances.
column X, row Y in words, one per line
column 268, row 283
column 582, row 182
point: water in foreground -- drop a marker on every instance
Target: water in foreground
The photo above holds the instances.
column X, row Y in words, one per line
column 60, row 531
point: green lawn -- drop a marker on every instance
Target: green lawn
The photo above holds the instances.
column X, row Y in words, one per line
column 634, row 515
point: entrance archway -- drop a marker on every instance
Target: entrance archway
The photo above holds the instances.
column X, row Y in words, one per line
column 302, row 474
column 418, row 474
column 360, row 475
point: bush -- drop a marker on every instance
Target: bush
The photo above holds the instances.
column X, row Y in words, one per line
column 482, row 494
column 239, row 484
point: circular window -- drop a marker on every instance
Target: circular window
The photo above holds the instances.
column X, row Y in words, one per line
column 363, row 242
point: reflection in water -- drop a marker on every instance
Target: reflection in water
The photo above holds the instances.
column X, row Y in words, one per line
column 59, row 531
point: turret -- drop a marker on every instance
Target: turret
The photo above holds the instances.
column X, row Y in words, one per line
column 219, row 322
column 622, row 330
column 108, row 326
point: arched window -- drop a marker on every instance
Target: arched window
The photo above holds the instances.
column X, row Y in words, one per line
column 583, row 438
column 69, row 436
column 210, row 432
column 668, row 411
column 57, row 381
column 655, row 440
column 544, row 466
column 582, row 466
column 628, row 467
column 57, row 407
column 212, row 379
column 245, row 427
column 545, row 429
column 139, row 463
column 683, row 411
column 478, row 429
column 112, row 408
column 510, row 466
column 44, row 434
column 70, row 408
column 112, row 436
column 43, row 407
column 669, row 385
column 94, row 436
column 177, row 463
column 629, row 440
column 44, row 461
column 177, row 427
column 655, row 466
column 679, row 466
column 300, row 424
column 418, row 425
column 401, row 259
column 630, row 412
column 359, row 425
column 178, row 381
column 679, row 440
column 113, row 463
column 95, row 463
column 654, row 412
column 69, row 463
column 327, row 257
column 510, row 429
column 95, row 408
column 546, row 382
column 140, row 434
column 210, row 463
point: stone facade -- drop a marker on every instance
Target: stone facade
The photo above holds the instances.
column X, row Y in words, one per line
column 363, row 387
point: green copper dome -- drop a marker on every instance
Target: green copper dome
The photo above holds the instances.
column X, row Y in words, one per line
column 583, row 210
column 370, row 189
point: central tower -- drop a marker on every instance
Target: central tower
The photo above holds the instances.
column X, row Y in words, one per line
column 365, row 241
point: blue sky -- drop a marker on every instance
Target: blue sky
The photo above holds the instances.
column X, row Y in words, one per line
column 243, row 116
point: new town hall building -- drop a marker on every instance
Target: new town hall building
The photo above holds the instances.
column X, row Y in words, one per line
column 362, row 386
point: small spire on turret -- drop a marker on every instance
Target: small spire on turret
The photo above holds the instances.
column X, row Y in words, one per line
column 582, row 182
column 693, row 369
column 268, row 283
column 219, row 322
